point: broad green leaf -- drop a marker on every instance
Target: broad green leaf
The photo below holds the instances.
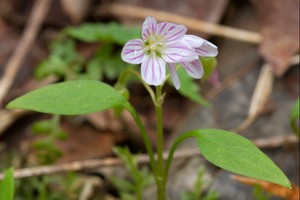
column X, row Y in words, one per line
column 189, row 88
column 209, row 64
column 7, row 185
column 70, row 98
column 237, row 154
column 294, row 118
column 111, row 32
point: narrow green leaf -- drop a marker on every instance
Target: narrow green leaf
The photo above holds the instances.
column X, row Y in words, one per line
column 294, row 118
column 209, row 64
column 7, row 185
column 190, row 89
column 237, row 154
column 111, row 32
column 70, row 98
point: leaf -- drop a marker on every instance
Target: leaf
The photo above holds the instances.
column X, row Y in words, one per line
column 209, row 65
column 122, row 185
column 63, row 59
column 7, row 185
column 294, row 117
column 111, row 32
column 70, row 98
column 42, row 127
column 189, row 88
column 237, row 154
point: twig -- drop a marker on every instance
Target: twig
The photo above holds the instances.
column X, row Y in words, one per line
column 91, row 164
column 141, row 159
column 261, row 94
column 276, row 141
column 37, row 16
column 192, row 23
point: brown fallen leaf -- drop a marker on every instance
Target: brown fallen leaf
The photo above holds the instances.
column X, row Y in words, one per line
column 280, row 31
column 76, row 10
column 276, row 190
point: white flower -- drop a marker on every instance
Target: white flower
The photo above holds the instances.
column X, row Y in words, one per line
column 161, row 43
column 166, row 43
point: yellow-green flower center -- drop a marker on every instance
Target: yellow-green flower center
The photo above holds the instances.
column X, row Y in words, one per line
column 154, row 45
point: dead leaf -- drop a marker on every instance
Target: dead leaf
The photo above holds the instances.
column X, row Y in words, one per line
column 76, row 9
column 280, row 31
column 84, row 142
column 272, row 188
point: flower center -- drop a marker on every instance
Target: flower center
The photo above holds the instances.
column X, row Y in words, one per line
column 154, row 46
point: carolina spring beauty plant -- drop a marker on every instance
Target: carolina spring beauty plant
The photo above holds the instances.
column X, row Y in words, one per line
column 162, row 46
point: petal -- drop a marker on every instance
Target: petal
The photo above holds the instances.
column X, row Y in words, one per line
column 179, row 52
column 175, row 33
column 193, row 41
column 207, row 49
column 153, row 70
column 194, row 68
column 173, row 74
column 163, row 28
column 149, row 27
column 132, row 52
column 202, row 47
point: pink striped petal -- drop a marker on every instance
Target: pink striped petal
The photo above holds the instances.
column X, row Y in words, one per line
column 179, row 52
column 194, row 68
column 207, row 49
column 173, row 74
column 175, row 33
column 149, row 27
column 163, row 28
column 153, row 70
column 132, row 52
column 193, row 41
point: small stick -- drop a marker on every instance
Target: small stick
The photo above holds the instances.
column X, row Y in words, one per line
column 262, row 92
column 37, row 16
column 272, row 142
column 193, row 24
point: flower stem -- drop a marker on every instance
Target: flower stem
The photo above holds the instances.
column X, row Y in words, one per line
column 146, row 138
column 160, row 180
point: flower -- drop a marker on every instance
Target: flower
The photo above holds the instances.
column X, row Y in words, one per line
column 194, row 68
column 161, row 43
column 166, row 43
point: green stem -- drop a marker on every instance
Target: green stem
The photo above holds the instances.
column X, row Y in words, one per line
column 146, row 138
column 161, row 187
column 172, row 151
column 125, row 73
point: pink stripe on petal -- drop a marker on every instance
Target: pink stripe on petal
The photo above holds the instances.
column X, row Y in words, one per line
column 173, row 74
column 133, row 52
column 149, row 27
column 179, row 52
column 153, row 70
column 163, row 28
column 175, row 33
column 207, row 49
column 194, row 68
